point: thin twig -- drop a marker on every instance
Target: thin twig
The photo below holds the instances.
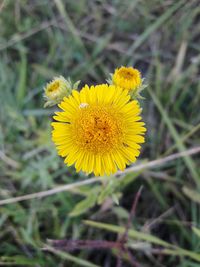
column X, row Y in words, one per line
column 132, row 214
column 71, row 245
column 148, row 165
column 50, row 192
column 120, row 244
column 147, row 227
column 132, row 259
column 119, row 259
column 124, row 238
column 2, row 5
column 158, row 162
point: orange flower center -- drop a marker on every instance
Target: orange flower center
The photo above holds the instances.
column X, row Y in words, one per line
column 97, row 129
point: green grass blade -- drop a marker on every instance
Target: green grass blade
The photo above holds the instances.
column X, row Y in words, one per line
column 146, row 237
column 192, row 194
column 132, row 233
column 67, row 256
column 154, row 26
column 181, row 147
column 21, row 88
column 69, row 23
column 196, row 231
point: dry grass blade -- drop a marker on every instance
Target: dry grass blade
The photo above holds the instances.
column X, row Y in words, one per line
column 10, row 162
column 148, row 165
column 162, row 161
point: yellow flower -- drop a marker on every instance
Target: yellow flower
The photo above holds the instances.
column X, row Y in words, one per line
column 98, row 129
column 57, row 89
column 127, row 77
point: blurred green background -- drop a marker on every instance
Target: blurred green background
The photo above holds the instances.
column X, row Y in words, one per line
column 87, row 40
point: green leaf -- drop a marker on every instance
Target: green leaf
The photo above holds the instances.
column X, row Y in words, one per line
column 196, row 231
column 76, row 84
column 192, row 194
column 115, row 198
column 19, row 261
column 67, row 256
column 108, row 190
column 128, row 178
column 84, row 205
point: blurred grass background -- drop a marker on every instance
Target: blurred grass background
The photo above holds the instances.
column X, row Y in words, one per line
column 86, row 40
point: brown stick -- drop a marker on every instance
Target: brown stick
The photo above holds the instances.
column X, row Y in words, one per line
column 120, row 244
column 123, row 240
column 71, row 245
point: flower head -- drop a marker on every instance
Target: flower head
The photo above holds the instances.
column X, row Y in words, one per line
column 127, row 78
column 57, row 89
column 98, row 129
